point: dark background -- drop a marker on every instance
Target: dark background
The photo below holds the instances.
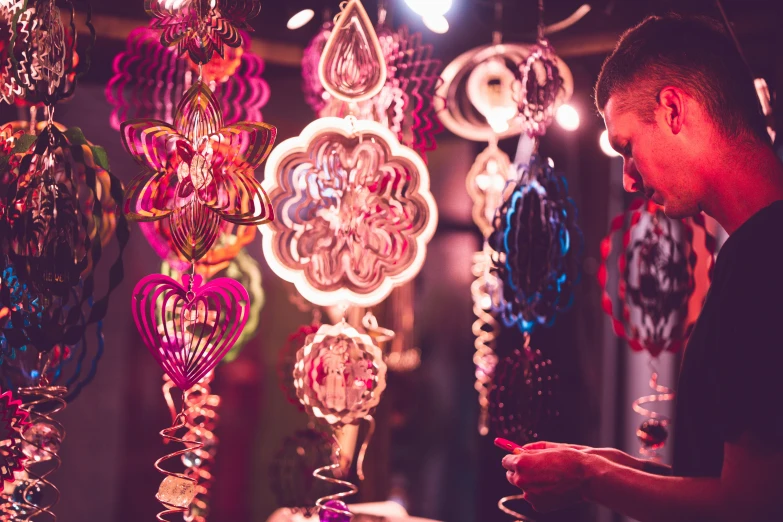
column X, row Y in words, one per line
column 433, row 456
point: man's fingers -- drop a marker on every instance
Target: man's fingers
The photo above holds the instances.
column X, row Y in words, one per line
column 543, row 445
column 510, row 462
column 539, row 445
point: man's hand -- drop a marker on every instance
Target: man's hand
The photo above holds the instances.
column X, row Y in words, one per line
column 612, row 454
column 551, row 478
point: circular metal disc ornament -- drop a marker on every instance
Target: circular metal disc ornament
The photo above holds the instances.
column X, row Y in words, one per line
column 339, row 374
column 462, row 110
column 353, row 209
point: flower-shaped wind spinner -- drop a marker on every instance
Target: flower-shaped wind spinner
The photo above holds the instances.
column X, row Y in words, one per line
column 197, row 172
column 354, row 212
column 201, row 28
column 354, row 208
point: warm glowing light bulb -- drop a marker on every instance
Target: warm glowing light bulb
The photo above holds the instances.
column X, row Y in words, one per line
column 429, row 8
column 499, row 117
column 606, row 146
column 300, row 19
column 567, row 117
column 489, row 89
column 437, row 24
column 171, row 5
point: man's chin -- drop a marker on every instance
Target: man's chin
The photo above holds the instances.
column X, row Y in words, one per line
column 674, row 211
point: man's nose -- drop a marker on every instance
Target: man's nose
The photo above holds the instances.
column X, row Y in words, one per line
column 632, row 181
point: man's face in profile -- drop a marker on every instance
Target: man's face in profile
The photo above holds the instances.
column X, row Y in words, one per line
column 654, row 164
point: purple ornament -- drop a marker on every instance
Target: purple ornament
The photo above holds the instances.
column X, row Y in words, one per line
column 334, row 511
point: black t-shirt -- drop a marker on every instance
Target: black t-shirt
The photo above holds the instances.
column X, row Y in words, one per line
column 732, row 372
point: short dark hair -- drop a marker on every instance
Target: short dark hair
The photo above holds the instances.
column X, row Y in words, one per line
column 692, row 53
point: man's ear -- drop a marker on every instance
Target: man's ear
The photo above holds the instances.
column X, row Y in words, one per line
column 671, row 106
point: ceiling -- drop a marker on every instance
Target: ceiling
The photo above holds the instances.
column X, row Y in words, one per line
column 472, row 21
column 583, row 45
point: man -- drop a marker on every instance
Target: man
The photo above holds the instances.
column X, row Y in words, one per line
column 680, row 107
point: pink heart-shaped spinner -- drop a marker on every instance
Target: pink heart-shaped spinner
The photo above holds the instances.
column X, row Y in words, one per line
column 189, row 328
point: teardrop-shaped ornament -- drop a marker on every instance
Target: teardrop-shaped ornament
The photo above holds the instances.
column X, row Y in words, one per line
column 352, row 66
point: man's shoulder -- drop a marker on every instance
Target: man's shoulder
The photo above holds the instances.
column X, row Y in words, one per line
column 759, row 240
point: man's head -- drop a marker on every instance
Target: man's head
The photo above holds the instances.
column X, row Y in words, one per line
column 673, row 91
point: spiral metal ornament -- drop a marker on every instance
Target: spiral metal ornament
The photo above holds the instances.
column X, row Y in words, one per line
column 486, row 329
column 328, row 502
column 149, row 80
column 334, row 503
column 479, row 96
column 521, row 398
column 41, row 444
column 653, row 432
column 200, row 410
column 177, row 490
column 508, row 511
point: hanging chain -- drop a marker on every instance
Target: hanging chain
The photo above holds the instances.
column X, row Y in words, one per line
column 343, row 5
column 382, row 12
column 497, row 34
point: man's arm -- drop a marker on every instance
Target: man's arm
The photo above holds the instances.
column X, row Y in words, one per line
column 613, row 454
column 749, row 489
